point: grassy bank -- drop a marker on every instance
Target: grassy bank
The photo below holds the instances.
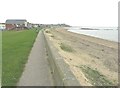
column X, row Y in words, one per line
column 16, row 46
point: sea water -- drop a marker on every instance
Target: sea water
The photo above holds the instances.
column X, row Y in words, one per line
column 107, row 33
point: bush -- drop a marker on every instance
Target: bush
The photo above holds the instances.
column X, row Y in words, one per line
column 66, row 47
column 47, row 31
column 52, row 36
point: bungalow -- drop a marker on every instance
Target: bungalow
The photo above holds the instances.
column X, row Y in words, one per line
column 16, row 24
column 2, row 26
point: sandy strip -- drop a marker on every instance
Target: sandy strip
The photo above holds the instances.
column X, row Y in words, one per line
column 95, row 53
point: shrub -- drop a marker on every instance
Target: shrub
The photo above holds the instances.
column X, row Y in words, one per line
column 66, row 47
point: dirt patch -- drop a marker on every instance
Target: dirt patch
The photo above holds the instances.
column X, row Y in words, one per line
column 92, row 52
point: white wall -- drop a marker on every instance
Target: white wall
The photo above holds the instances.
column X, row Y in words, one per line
column 2, row 26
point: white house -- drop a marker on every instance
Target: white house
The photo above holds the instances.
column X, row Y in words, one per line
column 2, row 26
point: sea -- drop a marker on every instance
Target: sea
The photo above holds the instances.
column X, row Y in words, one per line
column 107, row 33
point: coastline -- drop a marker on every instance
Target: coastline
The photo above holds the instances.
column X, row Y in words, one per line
column 111, row 35
column 97, row 40
column 89, row 51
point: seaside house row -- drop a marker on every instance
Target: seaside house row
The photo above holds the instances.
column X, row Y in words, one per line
column 18, row 24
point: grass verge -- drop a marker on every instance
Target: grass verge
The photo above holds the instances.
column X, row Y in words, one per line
column 0, row 56
column 66, row 47
column 95, row 77
column 16, row 46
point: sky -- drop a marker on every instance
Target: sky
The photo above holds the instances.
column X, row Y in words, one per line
column 73, row 12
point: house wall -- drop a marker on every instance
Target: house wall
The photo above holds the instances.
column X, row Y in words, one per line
column 29, row 25
column 10, row 26
column 2, row 26
column 25, row 24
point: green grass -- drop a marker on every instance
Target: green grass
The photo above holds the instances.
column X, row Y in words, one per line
column 16, row 46
column 66, row 47
column 0, row 56
column 96, row 78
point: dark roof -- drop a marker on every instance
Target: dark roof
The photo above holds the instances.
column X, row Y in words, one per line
column 15, row 21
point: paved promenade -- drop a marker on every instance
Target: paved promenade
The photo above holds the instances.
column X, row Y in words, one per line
column 37, row 70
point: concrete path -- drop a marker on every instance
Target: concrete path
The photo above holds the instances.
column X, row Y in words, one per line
column 37, row 70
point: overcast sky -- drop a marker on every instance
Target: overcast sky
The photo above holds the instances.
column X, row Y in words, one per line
column 72, row 12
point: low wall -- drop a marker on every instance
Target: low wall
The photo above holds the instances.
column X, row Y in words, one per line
column 61, row 72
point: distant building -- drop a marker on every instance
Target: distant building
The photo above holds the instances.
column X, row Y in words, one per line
column 16, row 24
column 35, row 25
column 29, row 25
column 2, row 26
